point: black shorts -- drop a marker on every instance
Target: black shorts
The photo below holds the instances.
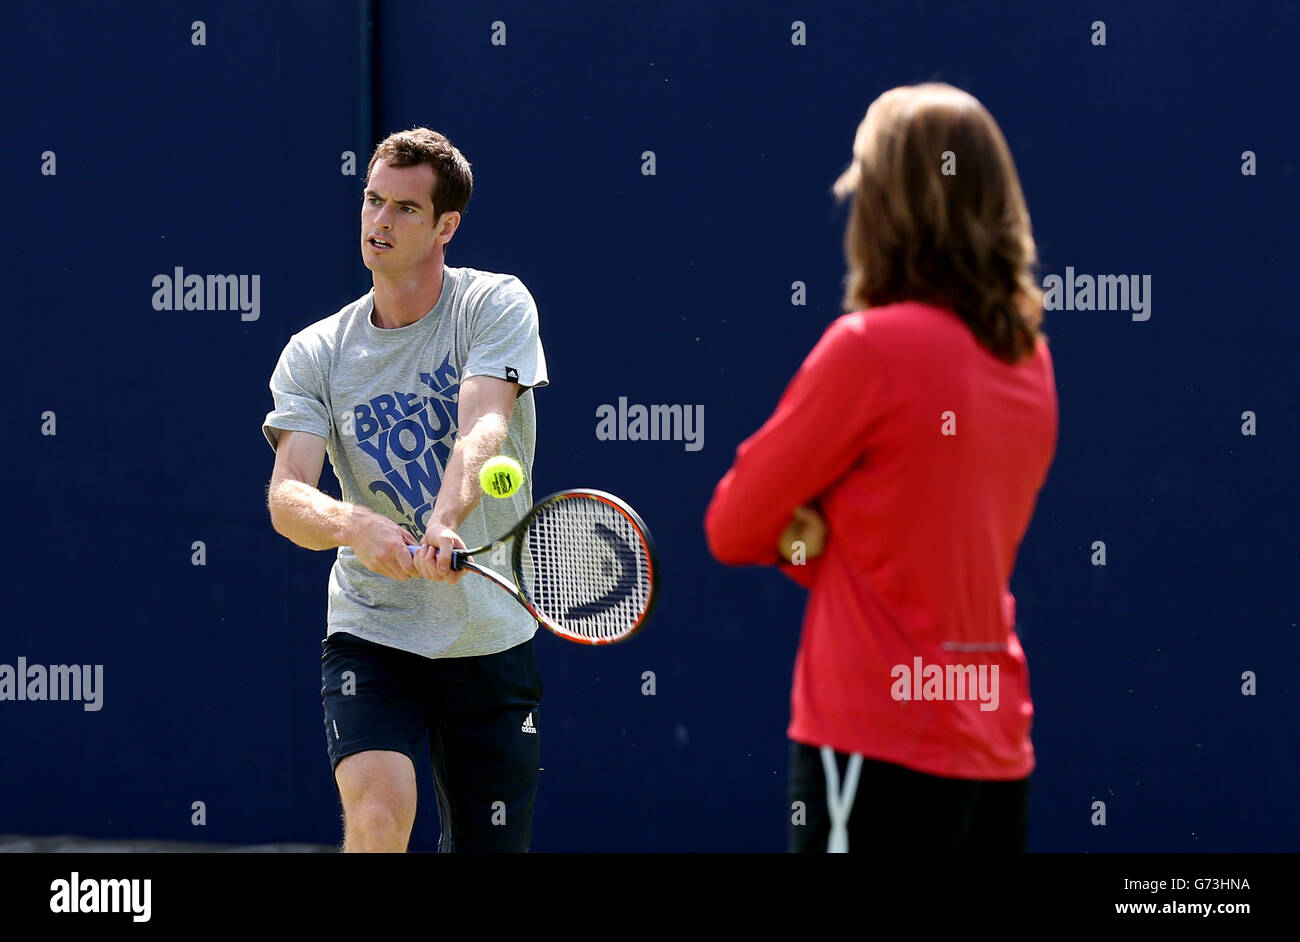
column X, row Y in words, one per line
column 895, row 810
column 479, row 716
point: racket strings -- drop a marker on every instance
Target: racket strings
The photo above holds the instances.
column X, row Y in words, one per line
column 585, row 567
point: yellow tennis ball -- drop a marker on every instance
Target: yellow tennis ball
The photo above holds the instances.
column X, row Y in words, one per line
column 501, row 476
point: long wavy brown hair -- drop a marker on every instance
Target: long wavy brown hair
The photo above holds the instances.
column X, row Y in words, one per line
column 938, row 216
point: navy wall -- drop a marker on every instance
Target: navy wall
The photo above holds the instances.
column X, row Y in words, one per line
column 671, row 288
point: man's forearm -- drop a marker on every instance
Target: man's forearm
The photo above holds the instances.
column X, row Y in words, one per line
column 307, row 516
column 461, row 491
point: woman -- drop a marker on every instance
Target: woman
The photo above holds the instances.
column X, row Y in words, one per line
column 896, row 479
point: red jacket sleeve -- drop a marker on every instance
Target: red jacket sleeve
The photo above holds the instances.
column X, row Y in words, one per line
column 805, row 574
column 817, row 433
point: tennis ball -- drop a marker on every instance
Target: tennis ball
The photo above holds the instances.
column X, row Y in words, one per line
column 501, row 476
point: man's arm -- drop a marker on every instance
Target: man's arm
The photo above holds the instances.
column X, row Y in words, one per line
column 314, row 520
column 484, row 407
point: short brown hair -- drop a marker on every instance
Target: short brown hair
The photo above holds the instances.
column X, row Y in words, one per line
column 961, row 240
column 453, row 182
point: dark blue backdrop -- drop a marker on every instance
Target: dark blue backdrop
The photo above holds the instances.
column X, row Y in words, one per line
column 673, row 288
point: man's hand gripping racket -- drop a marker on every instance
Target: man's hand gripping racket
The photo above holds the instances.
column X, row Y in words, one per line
column 584, row 566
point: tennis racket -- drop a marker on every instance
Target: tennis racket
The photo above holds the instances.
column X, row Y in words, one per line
column 584, row 566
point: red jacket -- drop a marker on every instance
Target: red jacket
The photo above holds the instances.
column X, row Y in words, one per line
column 926, row 454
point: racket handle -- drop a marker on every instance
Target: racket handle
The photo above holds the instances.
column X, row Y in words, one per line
column 457, row 556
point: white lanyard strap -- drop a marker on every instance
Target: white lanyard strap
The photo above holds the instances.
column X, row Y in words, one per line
column 840, row 804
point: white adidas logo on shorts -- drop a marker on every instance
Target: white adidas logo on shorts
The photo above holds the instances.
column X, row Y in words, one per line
column 528, row 726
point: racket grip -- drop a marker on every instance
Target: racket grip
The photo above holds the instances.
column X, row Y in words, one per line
column 457, row 556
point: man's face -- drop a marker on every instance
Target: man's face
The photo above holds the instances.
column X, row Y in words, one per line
column 398, row 231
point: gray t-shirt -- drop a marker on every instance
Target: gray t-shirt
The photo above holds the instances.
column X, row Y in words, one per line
column 385, row 401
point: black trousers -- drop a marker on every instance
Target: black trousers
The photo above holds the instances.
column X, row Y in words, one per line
column 895, row 810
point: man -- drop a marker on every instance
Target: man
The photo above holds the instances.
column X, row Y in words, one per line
column 410, row 389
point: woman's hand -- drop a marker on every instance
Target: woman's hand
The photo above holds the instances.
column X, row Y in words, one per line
column 808, row 527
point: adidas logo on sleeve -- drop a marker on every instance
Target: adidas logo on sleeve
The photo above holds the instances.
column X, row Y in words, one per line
column 528, row 726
